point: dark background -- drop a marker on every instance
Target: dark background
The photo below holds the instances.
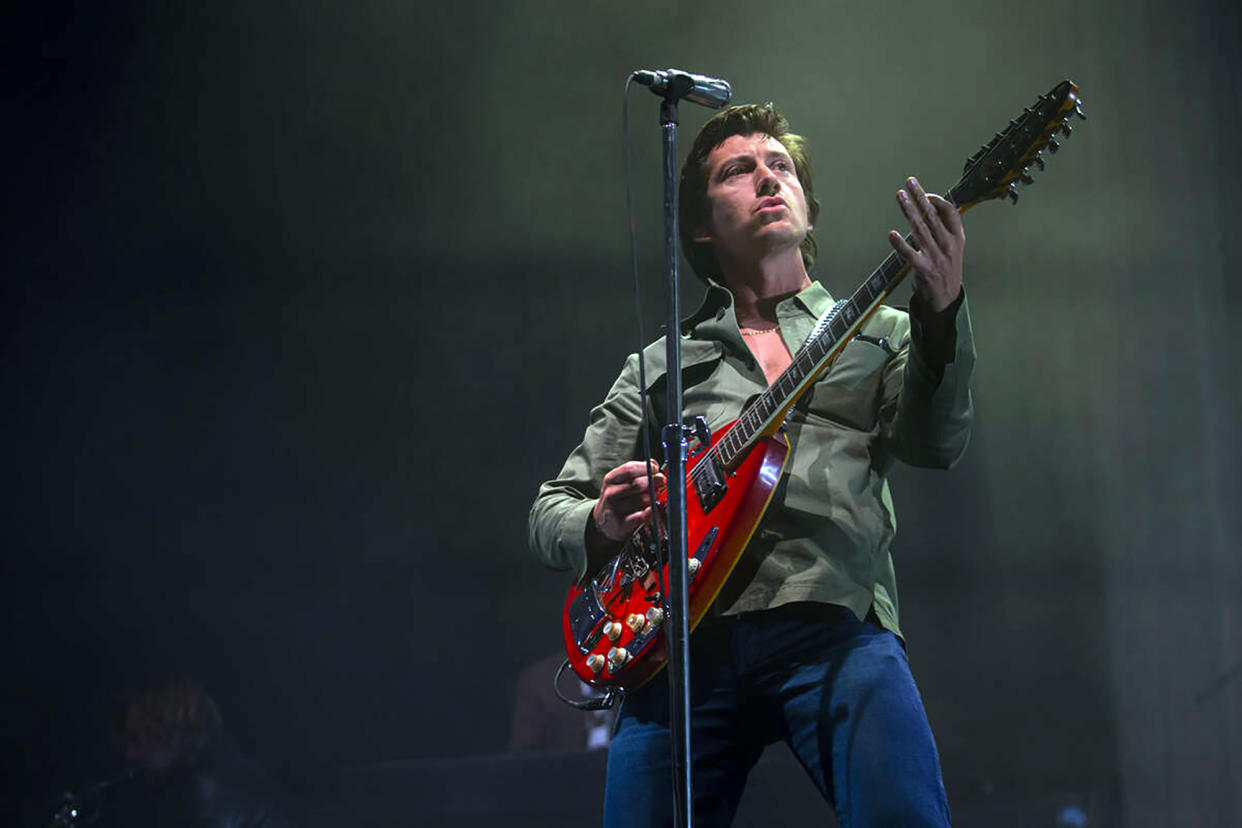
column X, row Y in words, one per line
column 302, row 301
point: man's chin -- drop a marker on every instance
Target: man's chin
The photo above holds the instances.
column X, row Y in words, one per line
column 780, row 235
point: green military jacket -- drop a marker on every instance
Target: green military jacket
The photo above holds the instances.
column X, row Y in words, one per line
column 827, row 533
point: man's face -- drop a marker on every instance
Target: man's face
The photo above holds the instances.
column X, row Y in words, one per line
column 755, row 202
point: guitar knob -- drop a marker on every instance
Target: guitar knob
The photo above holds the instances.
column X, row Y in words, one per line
column 635, row 621
column 596, row 662
column 692, row 566
column 656, row 616
column 612, row 630
column 617, row 657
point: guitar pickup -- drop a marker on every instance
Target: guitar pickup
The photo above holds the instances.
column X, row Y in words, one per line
column 709, row 481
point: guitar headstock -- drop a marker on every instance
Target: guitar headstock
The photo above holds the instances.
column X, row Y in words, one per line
column 997, row 168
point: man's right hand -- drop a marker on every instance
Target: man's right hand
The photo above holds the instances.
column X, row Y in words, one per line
column 624, row 503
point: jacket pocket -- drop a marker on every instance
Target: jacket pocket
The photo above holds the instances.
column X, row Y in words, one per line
column 849, row 393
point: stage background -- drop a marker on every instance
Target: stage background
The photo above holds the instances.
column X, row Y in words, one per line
column 302, row 301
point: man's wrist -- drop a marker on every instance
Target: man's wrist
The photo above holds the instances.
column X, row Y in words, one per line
column 599, row 547
column 937, row 329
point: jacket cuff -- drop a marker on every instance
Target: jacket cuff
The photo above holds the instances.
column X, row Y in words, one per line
column 571, row 535
column 934, row 333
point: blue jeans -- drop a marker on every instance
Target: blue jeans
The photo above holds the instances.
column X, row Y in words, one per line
column 838, row 690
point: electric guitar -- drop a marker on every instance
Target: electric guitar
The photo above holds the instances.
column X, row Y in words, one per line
column 613, row 619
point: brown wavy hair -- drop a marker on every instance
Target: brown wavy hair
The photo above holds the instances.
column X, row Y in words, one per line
column 174, row 716
column 693, row 211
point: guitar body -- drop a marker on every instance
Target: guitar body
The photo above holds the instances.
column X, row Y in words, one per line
column 612, row 636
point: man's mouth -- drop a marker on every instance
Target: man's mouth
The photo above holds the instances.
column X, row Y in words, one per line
column 769, row 203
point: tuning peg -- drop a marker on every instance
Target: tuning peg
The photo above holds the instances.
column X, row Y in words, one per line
column 1066, row 129
column 1039, row 162
column 1053, row 146
column 1012, row 193
column 1026, row 178
column 1078, row 110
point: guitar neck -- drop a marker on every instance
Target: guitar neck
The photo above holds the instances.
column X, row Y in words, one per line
column 764, row 416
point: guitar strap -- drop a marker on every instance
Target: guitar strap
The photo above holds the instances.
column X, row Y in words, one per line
column 822, row 323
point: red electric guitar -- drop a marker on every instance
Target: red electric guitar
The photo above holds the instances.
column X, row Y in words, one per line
column 613, row 619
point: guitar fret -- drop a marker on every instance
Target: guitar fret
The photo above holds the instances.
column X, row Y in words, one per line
column 893, row 264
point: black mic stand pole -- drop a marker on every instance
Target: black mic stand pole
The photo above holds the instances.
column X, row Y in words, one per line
column 677, row 630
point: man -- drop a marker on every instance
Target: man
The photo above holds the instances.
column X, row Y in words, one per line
column 803, row 643
column 187, row 768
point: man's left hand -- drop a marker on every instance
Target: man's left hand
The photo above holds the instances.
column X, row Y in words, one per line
column 936, row 266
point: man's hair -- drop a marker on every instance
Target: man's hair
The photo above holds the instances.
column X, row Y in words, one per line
column 175, row 715
column 693, row 212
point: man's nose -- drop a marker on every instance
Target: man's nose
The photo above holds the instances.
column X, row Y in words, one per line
column 769, row 184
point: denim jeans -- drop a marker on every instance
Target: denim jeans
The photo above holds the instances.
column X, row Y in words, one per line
column 838, row 690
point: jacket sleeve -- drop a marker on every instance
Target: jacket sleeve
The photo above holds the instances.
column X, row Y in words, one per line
column 927, row 411
column 556, row 529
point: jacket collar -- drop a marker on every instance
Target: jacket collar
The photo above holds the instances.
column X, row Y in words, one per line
column 716, row 319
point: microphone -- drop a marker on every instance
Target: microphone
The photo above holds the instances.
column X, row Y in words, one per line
column 710, row 92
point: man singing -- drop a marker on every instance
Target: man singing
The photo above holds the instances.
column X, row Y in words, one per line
column 803, row 643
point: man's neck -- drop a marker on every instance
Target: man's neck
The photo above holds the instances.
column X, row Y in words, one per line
column 759, row 286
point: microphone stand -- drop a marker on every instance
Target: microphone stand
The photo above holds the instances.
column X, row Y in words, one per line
column 677, row 629
column 673, row 85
